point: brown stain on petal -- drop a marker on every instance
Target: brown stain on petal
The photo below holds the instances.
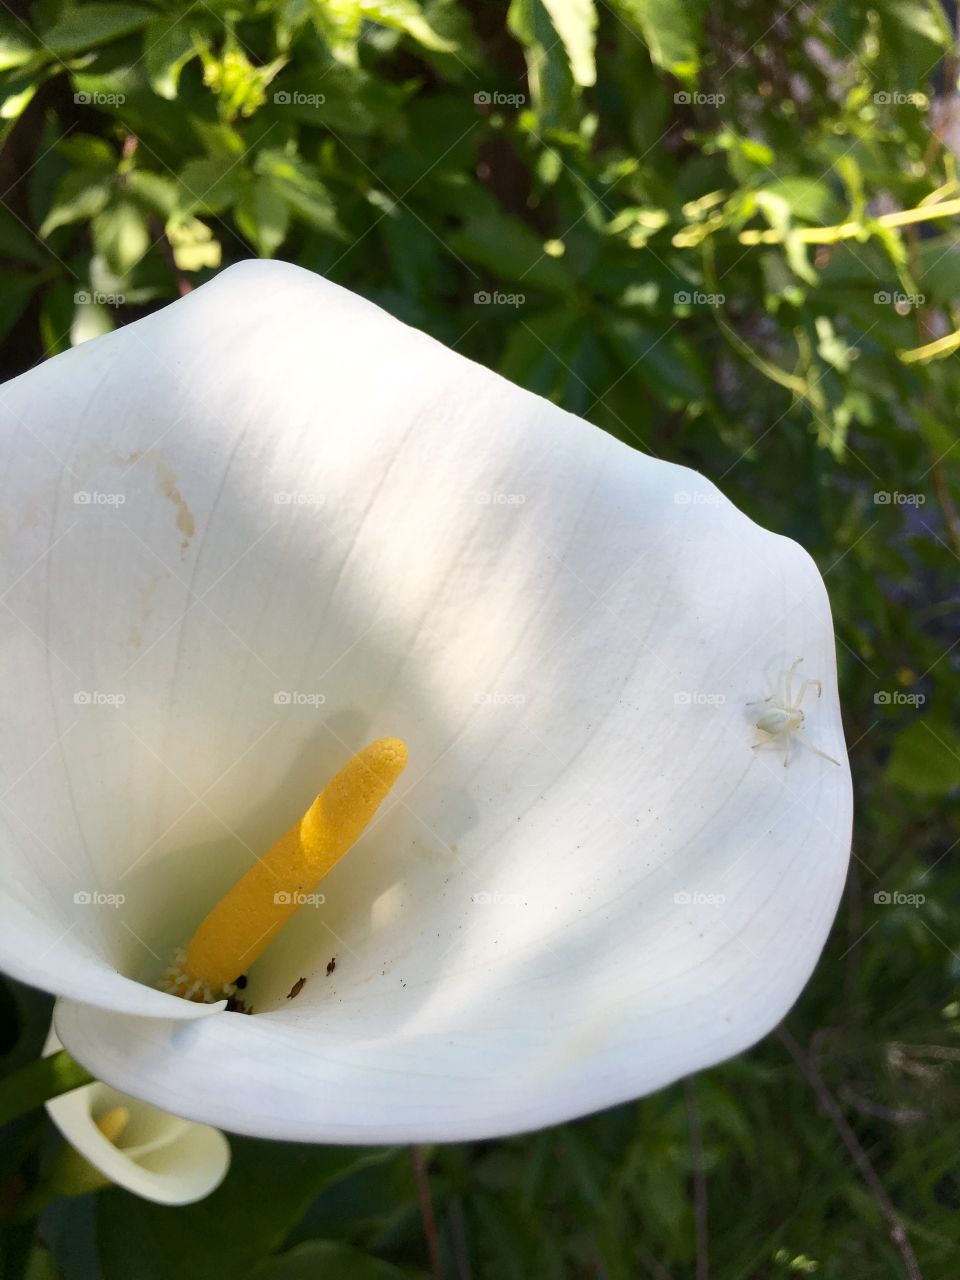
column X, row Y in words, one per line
column 144, row 610
column 166, row 480
column 168, row 486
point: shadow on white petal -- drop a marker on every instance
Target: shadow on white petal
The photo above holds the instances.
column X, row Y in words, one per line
column 585, row 885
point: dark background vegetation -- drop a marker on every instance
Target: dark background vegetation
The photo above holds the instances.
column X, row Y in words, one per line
column 709, row 230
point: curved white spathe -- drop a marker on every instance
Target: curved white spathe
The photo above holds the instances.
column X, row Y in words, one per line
column 252, row 532
column 157, row 1156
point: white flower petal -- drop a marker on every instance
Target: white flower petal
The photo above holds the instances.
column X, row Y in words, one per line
column 566, row 632
column 158, row 1156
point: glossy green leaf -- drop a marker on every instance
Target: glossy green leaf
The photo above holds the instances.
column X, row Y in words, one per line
column 121, row 235
column 575, row 22
column 325, row 1258
column 266, row 1191
column 168, row 45
column 85, row 26
column 263, row 217
column 669, row 28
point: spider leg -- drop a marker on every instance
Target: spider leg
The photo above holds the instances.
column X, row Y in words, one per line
column 809, row 684
column 789, row 699
column 816, row 750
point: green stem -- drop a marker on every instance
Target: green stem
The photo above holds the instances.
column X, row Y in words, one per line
column 696, row 232
column 33, row 1084
column 850, row 230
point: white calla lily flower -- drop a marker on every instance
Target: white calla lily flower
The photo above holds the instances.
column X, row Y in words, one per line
column 153, row 1154
column 268, row 524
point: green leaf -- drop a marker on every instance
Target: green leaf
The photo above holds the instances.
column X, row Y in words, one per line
column 806, row 198
column 508, row 249
column 674, row 372
column 56, row 318
column 939, row 268
column 926, row 759
column 88, row 25
column 158, row 192
column 168, row 45
column 325, row 1258
column 916, row 19
column 669, row 31
column 265, row 1193
column 778, row 213
column 263, row 217
column 87, row 151
column 80, row 197
column 548, row 67
column 539, row 351
column 210, row 185
column 16, row 101
column 15, row 49
column 120, row 234
column 939, row 434
column 18, row 241
column 575, row 22
column 830, row 346
column 290, row 179
column 408, row 17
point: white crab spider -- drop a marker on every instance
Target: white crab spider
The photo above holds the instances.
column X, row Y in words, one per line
column 783, row 720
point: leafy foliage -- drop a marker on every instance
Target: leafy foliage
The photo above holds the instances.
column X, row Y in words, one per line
column 727, row 235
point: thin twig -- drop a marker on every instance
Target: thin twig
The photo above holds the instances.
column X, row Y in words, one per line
column 422, row 1179
column 700, row 1206
column 829, row 1107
